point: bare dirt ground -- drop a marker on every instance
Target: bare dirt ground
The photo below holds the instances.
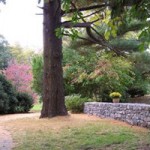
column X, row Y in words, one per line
column 6, row 142
column 5, row 139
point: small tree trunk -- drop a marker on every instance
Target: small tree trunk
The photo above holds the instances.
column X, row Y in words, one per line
column 53, row 90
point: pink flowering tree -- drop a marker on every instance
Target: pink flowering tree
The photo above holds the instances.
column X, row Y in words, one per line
column 21, row 77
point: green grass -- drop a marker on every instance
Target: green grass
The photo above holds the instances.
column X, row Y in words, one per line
column 37, row 107
column 88, row 136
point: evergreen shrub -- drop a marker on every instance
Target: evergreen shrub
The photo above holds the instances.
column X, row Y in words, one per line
column 75, row 103
column 10, row 100
column 25, row 102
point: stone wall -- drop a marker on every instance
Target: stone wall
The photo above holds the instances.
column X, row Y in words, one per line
column 134, row 114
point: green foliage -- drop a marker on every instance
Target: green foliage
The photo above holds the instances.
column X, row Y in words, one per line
column 37, row 107
column 143, row 16
column 21, row 55
column 124, row 19
column 25, row 102
column 95, row 74
column 75, row 103
column 141, row 63
column 127, row 45
column 8, row 99
column 141, row 68
column 59, row 32
column 37, row 70
column 145, row 37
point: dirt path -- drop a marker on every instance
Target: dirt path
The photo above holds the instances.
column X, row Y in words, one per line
column 6, row 142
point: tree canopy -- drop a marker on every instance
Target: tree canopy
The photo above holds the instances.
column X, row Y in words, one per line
column 116, row 15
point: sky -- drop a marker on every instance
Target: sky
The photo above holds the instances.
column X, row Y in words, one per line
column 20, row 24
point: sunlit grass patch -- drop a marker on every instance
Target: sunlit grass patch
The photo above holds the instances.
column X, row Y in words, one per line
column 37, row 107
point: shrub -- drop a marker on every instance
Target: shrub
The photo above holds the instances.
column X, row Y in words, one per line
column 8, row 98
column 75, row 103
column 25, row 102
column 136, row 91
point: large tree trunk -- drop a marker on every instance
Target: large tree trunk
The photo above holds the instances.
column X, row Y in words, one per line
column 53, row 90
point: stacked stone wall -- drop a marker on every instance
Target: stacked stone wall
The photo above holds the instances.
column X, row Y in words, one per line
column 134, row 114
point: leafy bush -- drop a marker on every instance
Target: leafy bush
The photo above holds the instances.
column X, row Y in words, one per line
column 135, row 91
column 96, row 75
column 75, row 103
column 25, row 102
column 8, row 98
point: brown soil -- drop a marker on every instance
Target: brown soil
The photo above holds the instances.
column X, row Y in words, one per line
column 6, row 142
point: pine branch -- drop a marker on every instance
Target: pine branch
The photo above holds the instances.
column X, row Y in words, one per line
column 84, row 8
column 102, row 41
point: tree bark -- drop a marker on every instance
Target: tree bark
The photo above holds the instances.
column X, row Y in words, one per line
column 53, row 89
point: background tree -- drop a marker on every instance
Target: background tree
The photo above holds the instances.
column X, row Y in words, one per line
column 141, row 68
column 20, row 76
column 37, row 70
column 22, row 55
column 5, row 54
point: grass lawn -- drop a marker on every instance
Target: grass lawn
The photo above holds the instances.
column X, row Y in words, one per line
column 77, row 132
column 37, row 107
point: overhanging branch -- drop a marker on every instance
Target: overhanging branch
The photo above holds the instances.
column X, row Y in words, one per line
column 86, row 39
column 69, row 24
column 77, row 25
column 84, row 8
column 101, row 40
